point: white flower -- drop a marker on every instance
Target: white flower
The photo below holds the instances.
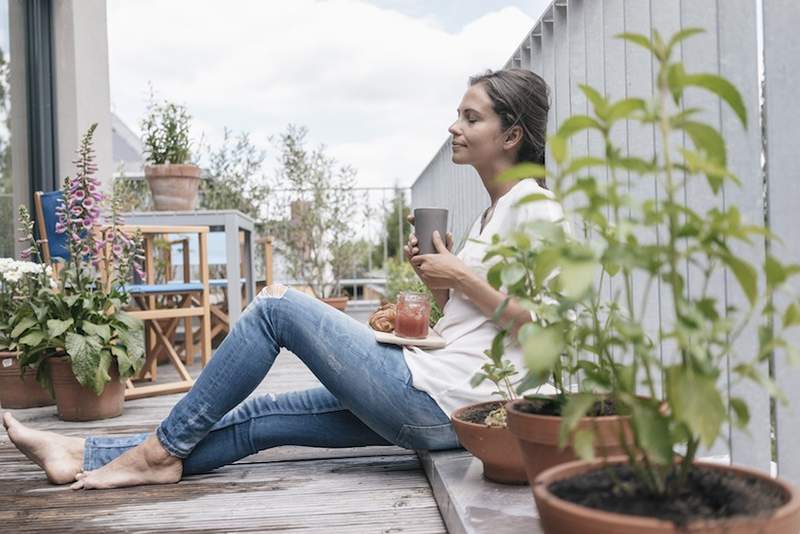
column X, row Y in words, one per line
column 6, row 264
column 13, row 276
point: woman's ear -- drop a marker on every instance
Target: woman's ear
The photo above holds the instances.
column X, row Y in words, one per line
column 513, row 137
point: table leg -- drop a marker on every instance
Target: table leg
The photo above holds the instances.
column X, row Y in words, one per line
column 233, row 267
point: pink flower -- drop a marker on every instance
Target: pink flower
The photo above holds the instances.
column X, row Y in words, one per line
column 79, row 194
column 87, row 223
column 60, row 228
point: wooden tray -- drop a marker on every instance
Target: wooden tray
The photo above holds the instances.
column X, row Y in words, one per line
column 432, row 341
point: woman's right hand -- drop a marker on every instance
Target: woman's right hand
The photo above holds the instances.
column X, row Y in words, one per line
column 412, row 249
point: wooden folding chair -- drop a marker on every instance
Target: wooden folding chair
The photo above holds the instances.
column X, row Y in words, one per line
column 193, row 296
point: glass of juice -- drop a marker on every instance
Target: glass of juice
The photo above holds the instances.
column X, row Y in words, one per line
column 413, row 315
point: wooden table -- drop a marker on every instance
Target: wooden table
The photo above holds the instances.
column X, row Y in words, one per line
column 231, row 222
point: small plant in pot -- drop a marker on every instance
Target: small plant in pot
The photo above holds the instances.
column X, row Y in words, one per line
column 659, row 485
column 173, row 180
column 75, row 335
column 19, row 282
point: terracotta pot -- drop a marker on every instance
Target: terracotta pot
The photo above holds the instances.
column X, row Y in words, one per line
column 562, row 517
column 538, row 437
column 340, row 303
column 17, row 392
column 174, row 187
column 496, row 447
column 77, row 403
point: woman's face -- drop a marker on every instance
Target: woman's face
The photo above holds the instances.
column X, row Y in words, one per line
column 477, row 136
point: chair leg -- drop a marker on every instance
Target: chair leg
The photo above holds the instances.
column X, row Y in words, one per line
column 188, row 340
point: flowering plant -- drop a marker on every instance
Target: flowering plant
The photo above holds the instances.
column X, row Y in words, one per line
column 82, row 315
column 19, row 281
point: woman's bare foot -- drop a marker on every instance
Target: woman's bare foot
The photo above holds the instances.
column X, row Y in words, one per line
column 61, row 457
column 147, row 463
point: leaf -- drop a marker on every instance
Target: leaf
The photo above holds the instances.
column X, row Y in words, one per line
column 652, row 432
column 745, row 274
column 742, row 412
column 522, row 171
column 103, row 331
column 477, row 379
column 56, row 327
column 531, row 381
column 575, row 410
column 512, row 274
column 533, row 197
column 706, row 139
column 575, row 124
column 680, row 36
column 696, row 401
column 791, row 317
column 776, row 274
column 558, row 148
column 722, row 88
column 542, row 348
column 23, row 325
column 576, row 277
column 493, row 275
column 32, row 338
column 623, row 109
column 638, row 39
column 583, row 444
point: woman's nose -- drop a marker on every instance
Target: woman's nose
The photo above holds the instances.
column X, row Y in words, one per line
column 452, row 129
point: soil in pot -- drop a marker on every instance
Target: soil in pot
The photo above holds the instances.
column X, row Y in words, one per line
column 77, row 403
column 19, row 392
column 495, row 446
column 537, row 426
column 709, row 494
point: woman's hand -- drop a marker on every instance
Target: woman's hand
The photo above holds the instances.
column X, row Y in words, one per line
column 443, row 270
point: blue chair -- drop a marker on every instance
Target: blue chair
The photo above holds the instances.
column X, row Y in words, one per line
column 191, row 297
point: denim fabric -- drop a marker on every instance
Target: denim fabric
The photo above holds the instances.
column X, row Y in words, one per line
column 367, row 398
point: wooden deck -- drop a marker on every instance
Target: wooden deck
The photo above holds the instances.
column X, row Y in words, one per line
column 287, row 489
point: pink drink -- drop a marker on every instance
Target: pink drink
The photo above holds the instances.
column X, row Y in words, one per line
column 413, row 315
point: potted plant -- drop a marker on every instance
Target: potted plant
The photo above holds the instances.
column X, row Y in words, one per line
column 19, row 281
column 658, row 485
column 76, row 335
column 173, row 180
column 317, row 238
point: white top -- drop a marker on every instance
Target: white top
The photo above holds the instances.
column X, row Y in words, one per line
column 445, row 373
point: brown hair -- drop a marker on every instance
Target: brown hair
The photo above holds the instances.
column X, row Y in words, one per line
column 520, row 98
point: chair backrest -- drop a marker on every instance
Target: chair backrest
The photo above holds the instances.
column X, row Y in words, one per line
column 54, row 245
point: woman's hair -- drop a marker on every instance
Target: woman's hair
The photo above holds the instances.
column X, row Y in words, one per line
column 520, row 98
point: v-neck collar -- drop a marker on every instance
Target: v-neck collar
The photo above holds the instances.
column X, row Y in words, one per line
column 502, row 198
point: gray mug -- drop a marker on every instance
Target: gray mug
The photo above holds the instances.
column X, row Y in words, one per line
column 426, row 220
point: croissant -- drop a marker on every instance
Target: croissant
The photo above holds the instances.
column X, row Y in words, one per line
column 383, row 319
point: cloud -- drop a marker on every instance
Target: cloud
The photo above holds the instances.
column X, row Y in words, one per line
column 376, row 86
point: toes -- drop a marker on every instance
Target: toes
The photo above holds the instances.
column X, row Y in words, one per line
column 78, row 485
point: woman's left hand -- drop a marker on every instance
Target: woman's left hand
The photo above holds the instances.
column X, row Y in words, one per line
column 443, row 270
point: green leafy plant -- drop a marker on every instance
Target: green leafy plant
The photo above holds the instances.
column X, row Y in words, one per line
column 165, row 133
column 653, row 240
column 81, row 317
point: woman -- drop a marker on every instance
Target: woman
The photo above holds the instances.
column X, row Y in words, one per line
column 372, row 394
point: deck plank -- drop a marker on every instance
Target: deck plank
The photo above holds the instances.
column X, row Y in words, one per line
column 297, row 489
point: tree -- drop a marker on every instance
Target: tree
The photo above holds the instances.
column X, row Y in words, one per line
column 317, row 238
column 395, row 213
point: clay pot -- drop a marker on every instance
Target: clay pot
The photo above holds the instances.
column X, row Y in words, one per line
column 174, row 187
column 538, row 437
column 562, row 517
column 496, row 447
column 340, row 303
column 17, row 392
column 77, row 403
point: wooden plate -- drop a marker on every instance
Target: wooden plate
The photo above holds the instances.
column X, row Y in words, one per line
column 432, row 341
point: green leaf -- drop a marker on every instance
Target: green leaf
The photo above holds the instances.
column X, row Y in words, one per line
column 103, row 331
column 32, row 338
column 558, row 148
column 571, row 415
column 84, row 353
column 776, row 274
column 512, row 274
column 533, row 197
column 522, row 171
column 652, row 432
column 56, row 327
column 576, row 277
column 477, row 379
column 696, row 401
column 493, row 275
column 742, row 412
column 583, row 444
column 23, row 325
column 706, row 139
column 638, row 39
column 745, row 274
column 542, row 348
column 531, row 380
column 577, row 123
column 624, row 108
column 680, row 36
column 791, row 317
column 722, row 88
column 599, row 103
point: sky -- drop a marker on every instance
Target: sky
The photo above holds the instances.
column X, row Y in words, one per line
column 376, row 81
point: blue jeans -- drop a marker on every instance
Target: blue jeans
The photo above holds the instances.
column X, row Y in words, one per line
column 367, row 398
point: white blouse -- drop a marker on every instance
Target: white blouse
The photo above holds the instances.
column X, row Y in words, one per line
column 445, row 373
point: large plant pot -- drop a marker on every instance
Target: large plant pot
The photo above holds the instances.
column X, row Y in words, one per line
column 340, row 303
column 77, row 403
column 18, row 392
column 538, row 437
column 496, row 447
column 174, row 187
column 559, row 516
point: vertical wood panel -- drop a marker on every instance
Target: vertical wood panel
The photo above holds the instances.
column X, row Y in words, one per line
column 739, row 63
column 548, row 71
column 781, row 53
column 536, row 49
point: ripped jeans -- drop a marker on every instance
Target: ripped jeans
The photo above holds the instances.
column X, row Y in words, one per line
column 367, row 396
